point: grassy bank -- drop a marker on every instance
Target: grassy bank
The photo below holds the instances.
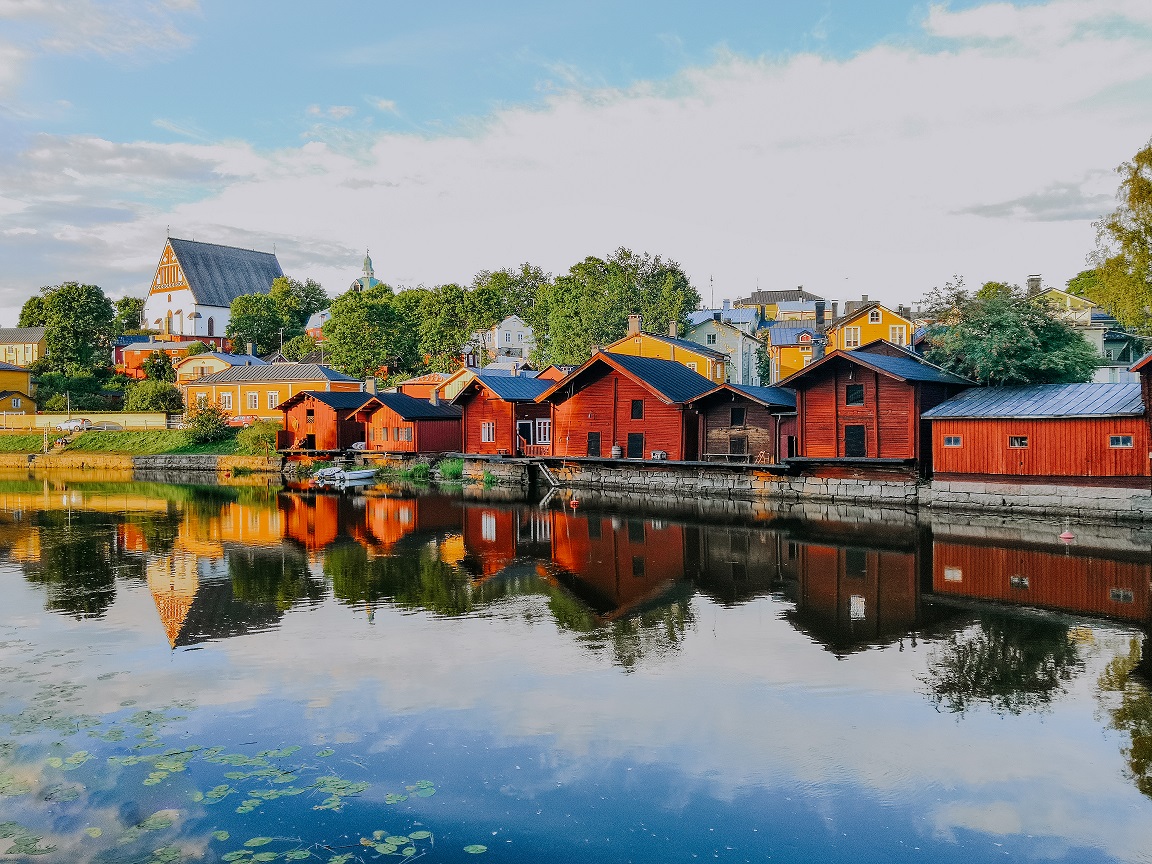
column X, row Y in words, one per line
column 23, row 443
column 154, row 443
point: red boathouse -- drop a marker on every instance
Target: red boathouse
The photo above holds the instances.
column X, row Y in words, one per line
column 501, row 417
column 324, row 420
column 405, row 424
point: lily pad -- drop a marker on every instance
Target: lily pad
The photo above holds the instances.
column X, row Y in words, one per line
column 425, row 792
column 396, row 841
column 257, row 841
column 393, row 798
column 265, row 856
column 220, row 835
column 475, row 849
column 297, row 855
column 419, row 835
column 94, row 831
column 324, row 754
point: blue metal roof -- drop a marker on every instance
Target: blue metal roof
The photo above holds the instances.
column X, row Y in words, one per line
column 674, row 381
column 909, row 368
column 737, row 315
column 234, row 359
column 781, row 334
column 768, row 395
column 514, row 388
column 411, row 408
column 339, row 400
column 218, row 275
column 1043, row 401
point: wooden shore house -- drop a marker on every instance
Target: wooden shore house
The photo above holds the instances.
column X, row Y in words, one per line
column 747, row 424
column 404, row 424
column 636, row 404
column 325, row 420
column 502, row 418
column 865, row 407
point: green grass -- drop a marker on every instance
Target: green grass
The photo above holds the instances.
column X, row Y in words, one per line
column 450, row 469
column 24, row 443
column 160, row 441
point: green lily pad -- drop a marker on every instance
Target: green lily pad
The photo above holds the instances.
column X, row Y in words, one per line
column 408, row 852
column 220, row 835
column 238, row 855
column 384, row 848
column 419, row 835
column 257, row 841
column 324, row 754
column 265, row 856
column 396, row 841
column 94, row 831
column 393, row 798
column 166, row 855
column 425, row 792
column 55, row 761
column 297, row 855
column 475, row 849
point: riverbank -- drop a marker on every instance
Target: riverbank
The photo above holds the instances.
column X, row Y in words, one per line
column 180, row 463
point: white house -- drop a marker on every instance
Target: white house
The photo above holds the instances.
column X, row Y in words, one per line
column 510, row 338
column 195, row 284
column 723, row 335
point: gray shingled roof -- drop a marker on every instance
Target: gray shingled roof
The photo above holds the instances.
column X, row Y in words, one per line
column 10, row 367
column 20, row 335
column 673, row 380
column 1043, row 401
column 274, row 372
column 411, row 408
column 217, row 275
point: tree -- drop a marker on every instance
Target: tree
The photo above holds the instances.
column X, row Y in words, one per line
column 78, row 322
column 208, row 424
column 158, row 366
column 445, row 326
column 153, row 395
column 129, row 315
column 1001, row 336
column 367, row 332
column 298, row 347
column 763, row 365
column 32, row 313
column 297, row 301
column 256, row 319
column 1123, row 255
column 197, row 348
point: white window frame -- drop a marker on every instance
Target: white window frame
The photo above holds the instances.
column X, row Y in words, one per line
column 898, row 334
column 16, row 402
column 1018, row 439
column 201, row 400
column 1119, row 442
column 253, row 401
column 953, row 440
column 488, row 432
column 875, row 317
column 851, row 337
column 226, row 401
column 543, row 431
column 273, row 399
column 711, row 338
column 691, row 366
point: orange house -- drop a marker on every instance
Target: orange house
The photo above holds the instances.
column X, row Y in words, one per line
column 402, row 424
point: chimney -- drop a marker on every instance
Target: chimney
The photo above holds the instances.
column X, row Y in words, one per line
column 674, row 329
column 1034, row 283
column 726, row 304
column 252, row 348
column 903, row 311
column 819, row 313
column 633, row 325
column 863, row 298
column 835, row 306
column 370, row 384
column 435, row 397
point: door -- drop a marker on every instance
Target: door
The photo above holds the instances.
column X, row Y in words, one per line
column 593, row 443
column 854, row 441
column 523, row 434
column 635, row 445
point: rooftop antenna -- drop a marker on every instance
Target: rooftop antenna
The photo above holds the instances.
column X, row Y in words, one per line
column 168, row 231
column 712, row 289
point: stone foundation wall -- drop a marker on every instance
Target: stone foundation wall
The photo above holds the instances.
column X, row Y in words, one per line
column 506, row 472
column 1074, row 502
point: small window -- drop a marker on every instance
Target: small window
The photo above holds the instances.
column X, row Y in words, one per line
column 543, row 431
column 738, row 414
column 487, row 432
column 593, row 443
column 635, row 531
column 898, row 334
column 855, row 563
column 738, row 445
column 273, row 399
column 691, row 366
column 595, row 530
column 874, row 316
column 253, row 401
column 1121, row 595
column 635, row 445
column 488, row 527
column 16, row 402
column 407, row 431
column 851, row 337
column 711, row 338
column 201, row 400
column 507, row 337
column 953, row 574
column 1018, row 442
column 637, row 409
column 953, row 440
column 519, row 337
column 226, row 401
column 396, row 433
column 854, row 394
column 1124, row 441
column 383, row 433
column 856, row 608
column 1018, row 583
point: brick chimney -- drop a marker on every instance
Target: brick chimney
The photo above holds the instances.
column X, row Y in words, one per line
column 633, row 325
column 1034, row 283
column 674, row 329
column 819, row 314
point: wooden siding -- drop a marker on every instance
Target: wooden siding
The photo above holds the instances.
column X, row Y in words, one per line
column 760, row 430
column 485, row 406
column 327, row 429
column 428, row 436
column 1052, row 579
column 605, row 406
column 1070, row 447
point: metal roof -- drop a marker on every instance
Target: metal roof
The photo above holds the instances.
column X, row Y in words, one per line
column 341, row 401
column 737, row 315
column 217, row 275
column 776, row 397
column 763, row 298
column 20, row 335
column 513, row 388
column 411, row 408
column 782, row 334
column 909, row 368
column 673, row 380
column 11, row 367
column 1043, row 401
column 275, row 372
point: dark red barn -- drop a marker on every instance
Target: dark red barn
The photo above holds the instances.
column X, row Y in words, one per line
column 501, row 416
column 866, row 405
column 405, row 424
column 747, row 424
column 324, row 420
column 639, row 404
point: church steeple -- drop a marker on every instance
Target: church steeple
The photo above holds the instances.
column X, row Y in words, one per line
column 368, row 265
column 368, row 279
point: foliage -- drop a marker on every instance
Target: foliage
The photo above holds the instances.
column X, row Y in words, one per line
column 129, row 315
column 256, row 319
column 444, row 327
column 153, row 395
column 209, row 423
column 1084, row 283
column 79, row 324
column 259, row 439
column 1123, row 255
column 158, row 366
column 33, row 313
column 84, row 391
column 198, row 348
column 153, row 442
column 763, row 365
column 21, row 443
column 1129, row 702
column 299, row 346
column 297, row 301
column 368, row 331
column 999, row 335
column 450, row 469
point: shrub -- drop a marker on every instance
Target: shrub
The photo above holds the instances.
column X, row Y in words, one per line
column 148, row 395
column 259, row 439
column 451, row 469
column 209, row 423
column 420, row 471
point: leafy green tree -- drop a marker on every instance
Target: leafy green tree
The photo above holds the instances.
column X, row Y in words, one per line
column 56, row 391
column 299, row 346
column 445, row 327
column 197, row 348
column 208, row 424
column 257, row 319
column 158, row 366
column 32, row 313
column 79, row 324
column 297, row 301
column 368, row 332
column 763, row 365
column 1001, row 336
column 129, row 315
column 498, row 294
column 1084, row 283
column 1123, row 255
column 153, row 395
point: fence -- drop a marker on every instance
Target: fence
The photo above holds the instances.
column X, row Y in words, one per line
column 115, row 420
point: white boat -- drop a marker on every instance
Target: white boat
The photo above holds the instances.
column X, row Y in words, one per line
column 336, row 475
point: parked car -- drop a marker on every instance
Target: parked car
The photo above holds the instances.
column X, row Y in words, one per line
column 74, row 425
column 242, row 420
column 107, row 427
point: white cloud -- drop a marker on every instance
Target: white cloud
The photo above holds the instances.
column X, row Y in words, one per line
column 985, row 151
column 388, row 106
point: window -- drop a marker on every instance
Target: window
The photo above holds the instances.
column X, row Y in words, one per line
column 855, row 563
column 16, row 402
column 253, row 401
column 738, row 446
column 201, row 400
column 953, row 440
column 405, row 434
column 1109, row 354
column 1121, row 595
column 487, row 432
column 1018, row 442
column 635, row 531
column 898, row 334
column 638, row 566
column 635, row 445
column 595, row 530
column 593, row 443
column 953, row 574
column 1019, row 583
column 711, row 338
column 383, row 433
column 1113, row 440
column 396, row 433
column 543, row 431
column 854, row 394
column 211, row 326
column 273, row 399
column 691, row 366
column 519, row 337
column 874, row 316
column 738, row 412
column 507, row 337
column 856, row 608
column 851, row 337
column 226, row 401
column 488, row 527
column 637, row 409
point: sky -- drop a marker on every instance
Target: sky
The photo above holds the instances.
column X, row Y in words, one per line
column 854, row 147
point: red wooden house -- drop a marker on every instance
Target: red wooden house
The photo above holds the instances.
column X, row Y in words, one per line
column 747, row 424
column 1067, row 433
column 404, row 424
column 866, row 405
column 501, row 416
column 636, row 404
column 323, row 420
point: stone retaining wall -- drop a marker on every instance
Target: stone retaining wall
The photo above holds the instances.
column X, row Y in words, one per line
column 1076, row 502
column 175, row 463
column 506, row 472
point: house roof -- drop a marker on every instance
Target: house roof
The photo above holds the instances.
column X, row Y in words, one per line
column 673, row 382
column 669, row 340
column 737, row 315
column 274, row 372
column 770, row 397
column 162, row 346
column 795, row 306
column 427, row 378
column 766, row 298
column 694, row 329
column 510, row 388
column 1144, row 362
column 1043, row 401
column 780, row 335
column 217, row 275
column 232, row 359
column 4, row 394
column 908, row 367
column 20, row 335
column 411, row 408
column 340, row 401
column 317, row 319
column 857, row 311
column 11, row 367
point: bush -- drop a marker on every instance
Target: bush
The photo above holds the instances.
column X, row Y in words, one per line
column 209, row 423
column 151, row 395
column 451, row 469
column 259, row 439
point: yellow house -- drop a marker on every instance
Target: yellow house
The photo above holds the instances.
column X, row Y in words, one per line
column 791, row 347
column 198, row 365
column 867, row 324
column 22, row 346
column 15, row 387
column 703, row 361
column 256, row 391
column 768, row 302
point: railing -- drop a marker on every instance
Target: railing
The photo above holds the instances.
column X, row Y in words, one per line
column 536, row 450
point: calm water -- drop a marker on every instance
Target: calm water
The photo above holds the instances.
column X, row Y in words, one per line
column 244, row 674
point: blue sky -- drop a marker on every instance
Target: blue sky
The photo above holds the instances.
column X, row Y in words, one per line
column 855, row 147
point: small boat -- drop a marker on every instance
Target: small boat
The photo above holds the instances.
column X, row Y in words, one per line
column 336, row 475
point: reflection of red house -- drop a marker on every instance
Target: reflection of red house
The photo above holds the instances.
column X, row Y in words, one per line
column 501, row 416
column 404, row 424
column 1053, row 579
column 324, row 420
column 490, row 538
column 638, row 404
column 389, row 520
column 312, row 521
column 618, row 563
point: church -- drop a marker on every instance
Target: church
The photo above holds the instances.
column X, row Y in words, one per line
column 195, row 284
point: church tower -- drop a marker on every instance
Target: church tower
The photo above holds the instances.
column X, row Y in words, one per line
column 368, row 279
